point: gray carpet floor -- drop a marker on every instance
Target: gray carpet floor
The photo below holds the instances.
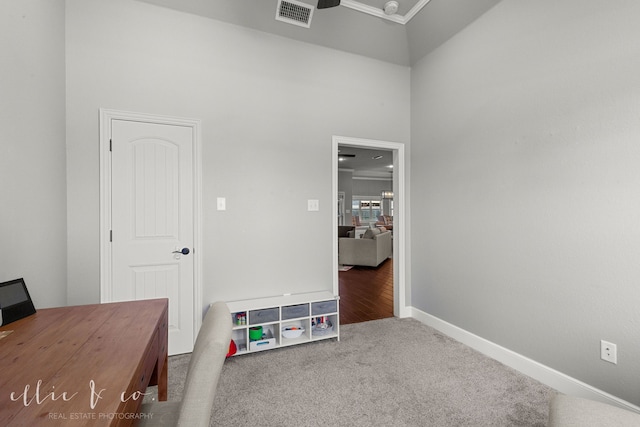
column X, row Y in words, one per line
column 390, row 372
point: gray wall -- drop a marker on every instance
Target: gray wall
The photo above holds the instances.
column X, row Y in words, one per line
column 269, row 107
column 525, row 129
column 33, row 241
column 371, row 187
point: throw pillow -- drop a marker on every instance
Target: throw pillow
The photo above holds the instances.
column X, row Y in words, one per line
column 370, row 233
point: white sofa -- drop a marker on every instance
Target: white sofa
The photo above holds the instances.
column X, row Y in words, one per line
column 371, row 250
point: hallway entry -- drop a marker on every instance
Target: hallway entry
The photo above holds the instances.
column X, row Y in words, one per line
column 392, row 287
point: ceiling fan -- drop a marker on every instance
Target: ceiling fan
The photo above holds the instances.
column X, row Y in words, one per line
column 325, row 4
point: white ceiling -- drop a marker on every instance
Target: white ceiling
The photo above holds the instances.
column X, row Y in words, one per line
column 351, row 30
column 368, row 162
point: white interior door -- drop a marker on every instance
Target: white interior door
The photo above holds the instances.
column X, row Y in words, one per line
column 152, row 220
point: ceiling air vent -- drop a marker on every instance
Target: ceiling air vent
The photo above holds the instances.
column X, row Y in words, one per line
column 294, row 12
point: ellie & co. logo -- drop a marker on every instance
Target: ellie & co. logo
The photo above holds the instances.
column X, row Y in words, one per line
column 37, row 396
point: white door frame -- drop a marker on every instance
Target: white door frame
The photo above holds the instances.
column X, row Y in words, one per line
column 106, row 116
column 400, row 308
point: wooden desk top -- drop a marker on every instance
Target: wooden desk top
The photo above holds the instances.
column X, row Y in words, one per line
column 82, row 365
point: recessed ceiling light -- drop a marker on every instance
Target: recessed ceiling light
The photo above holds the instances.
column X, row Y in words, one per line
column 390, row 166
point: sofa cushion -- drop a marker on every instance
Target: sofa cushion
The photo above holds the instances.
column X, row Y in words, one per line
column 371, row 233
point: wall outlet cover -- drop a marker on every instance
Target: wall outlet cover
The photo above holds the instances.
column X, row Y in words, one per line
column 608, row 352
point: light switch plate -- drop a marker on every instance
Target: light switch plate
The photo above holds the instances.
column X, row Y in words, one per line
column 222, row 204
column 313, row 205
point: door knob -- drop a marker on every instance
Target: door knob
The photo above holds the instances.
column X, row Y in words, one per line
column 183, row 251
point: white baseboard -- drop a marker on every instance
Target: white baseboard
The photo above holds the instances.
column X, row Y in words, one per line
column 546, row 375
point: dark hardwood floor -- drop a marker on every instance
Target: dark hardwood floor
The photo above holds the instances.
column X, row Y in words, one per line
column 366, row 293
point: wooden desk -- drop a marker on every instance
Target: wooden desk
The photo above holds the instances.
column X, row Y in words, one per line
column 83, row 365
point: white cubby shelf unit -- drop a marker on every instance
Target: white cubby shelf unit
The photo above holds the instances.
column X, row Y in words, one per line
column 316, row 314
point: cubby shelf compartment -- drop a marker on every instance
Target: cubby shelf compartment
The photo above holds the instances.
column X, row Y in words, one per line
column 287, row 311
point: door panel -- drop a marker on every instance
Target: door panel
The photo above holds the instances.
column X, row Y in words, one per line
column 152, row 220
column 156, row 189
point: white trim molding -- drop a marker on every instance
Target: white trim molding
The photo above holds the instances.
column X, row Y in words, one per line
column 374, row 11
column 400, row 308
column 546, row 375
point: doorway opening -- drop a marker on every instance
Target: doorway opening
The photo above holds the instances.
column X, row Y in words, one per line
column 386, row 199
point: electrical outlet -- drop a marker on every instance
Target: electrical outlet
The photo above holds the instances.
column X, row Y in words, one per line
column 608, row 352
